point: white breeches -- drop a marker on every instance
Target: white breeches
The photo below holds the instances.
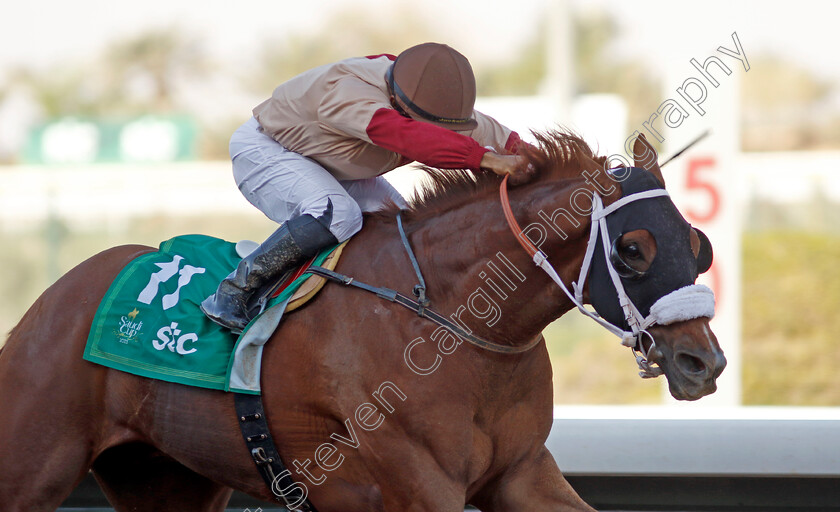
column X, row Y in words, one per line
column 283, row 184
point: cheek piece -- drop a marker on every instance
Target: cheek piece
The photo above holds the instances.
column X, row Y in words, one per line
column 685, row 303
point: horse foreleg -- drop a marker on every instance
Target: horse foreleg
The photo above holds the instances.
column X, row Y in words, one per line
column 418, row 486
column 533, row 484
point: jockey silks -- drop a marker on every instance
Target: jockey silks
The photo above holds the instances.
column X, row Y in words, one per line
column 340, row 115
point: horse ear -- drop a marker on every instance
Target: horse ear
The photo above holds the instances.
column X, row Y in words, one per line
column 645, row 157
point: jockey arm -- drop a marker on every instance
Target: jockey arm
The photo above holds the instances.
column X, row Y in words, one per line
column 416, row 140
column 439, row 147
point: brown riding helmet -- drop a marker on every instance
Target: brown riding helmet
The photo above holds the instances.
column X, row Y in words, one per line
column 432, row 82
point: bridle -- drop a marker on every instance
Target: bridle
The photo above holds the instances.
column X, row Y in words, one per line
column 689, row 302
column 685, row 303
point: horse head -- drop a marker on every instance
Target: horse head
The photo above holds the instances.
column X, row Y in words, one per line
column 669, row 254
column 639, row 269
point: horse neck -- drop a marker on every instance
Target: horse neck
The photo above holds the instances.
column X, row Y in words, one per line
column 476, row 269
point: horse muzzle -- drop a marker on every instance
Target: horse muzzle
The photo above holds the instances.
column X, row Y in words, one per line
column 690, row 356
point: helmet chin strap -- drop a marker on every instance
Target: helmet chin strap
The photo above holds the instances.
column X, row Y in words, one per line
column 689, row 302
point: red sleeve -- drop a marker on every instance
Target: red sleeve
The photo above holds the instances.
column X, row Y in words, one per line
column 424, row 142
column 513, row 143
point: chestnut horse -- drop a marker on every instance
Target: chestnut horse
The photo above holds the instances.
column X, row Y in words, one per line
column 371, row 406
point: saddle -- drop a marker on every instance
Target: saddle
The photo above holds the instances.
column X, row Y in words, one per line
column 275, row 287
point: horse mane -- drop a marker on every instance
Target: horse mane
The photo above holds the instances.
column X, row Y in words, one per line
column 558, row 155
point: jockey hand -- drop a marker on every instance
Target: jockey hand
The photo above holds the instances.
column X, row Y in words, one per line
column 515, row 165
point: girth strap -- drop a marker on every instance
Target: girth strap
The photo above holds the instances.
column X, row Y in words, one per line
column 254, row 427
column 423, row 311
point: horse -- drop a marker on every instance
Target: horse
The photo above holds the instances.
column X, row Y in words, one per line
column 371, row 406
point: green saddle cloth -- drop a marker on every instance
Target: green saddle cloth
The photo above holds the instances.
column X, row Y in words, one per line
column 149, row 322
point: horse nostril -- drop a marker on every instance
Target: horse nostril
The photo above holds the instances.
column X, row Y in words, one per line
column 690, row 364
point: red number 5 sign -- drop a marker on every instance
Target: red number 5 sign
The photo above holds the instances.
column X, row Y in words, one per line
column 697, row 181
column 704, row 209
column 705, row 184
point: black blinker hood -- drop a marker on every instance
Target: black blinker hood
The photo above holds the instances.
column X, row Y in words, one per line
column 674, row 265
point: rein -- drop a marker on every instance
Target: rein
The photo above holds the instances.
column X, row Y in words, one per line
column 421, row 306
column 633, row 339
column 686, row 303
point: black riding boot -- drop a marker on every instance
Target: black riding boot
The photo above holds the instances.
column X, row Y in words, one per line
column 296, row 241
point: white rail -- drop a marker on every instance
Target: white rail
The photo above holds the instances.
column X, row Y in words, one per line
column 697, row 441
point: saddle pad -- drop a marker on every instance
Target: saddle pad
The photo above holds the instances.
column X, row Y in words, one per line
column 149, row 322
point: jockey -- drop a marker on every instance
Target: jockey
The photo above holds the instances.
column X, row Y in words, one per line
column 312, row 155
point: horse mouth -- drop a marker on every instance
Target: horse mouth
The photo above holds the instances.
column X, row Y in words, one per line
column 691, row 374
column 691, row 392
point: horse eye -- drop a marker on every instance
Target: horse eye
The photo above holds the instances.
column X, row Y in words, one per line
column 632, row 252
column 619, row 259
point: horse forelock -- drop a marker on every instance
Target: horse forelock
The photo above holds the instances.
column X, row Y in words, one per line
column 558, row 155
